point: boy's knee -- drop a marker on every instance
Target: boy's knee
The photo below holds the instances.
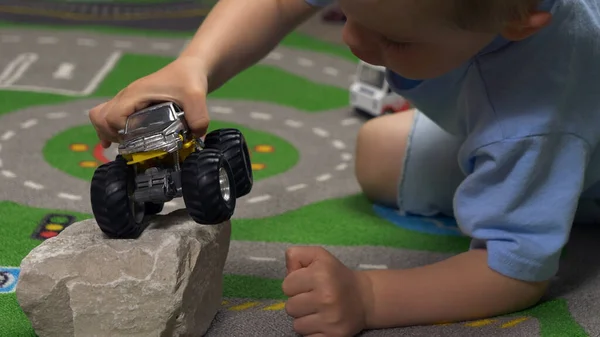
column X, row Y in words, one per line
column 380, row 152
column 368, row 142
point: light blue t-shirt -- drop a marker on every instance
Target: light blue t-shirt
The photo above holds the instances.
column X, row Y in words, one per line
column 528, row 113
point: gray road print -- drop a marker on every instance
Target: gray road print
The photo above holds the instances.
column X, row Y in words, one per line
column 268, row 318
column 67, row 63
column 75, row 63
column 267, row 259
column 64, row 72
column 324, row 170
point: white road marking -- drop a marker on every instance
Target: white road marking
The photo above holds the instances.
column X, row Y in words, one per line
column 346, row 156
column 45, row 90
column 29, row 123
column 349, row 121
column 123, row 44
column 294, row 188
column 260, row 115
column 260, row 198
column 324, row 177
column 33, row 185
column 338, row 144
column 8, row 174
column 10, row 38
column 16, row 68
column 274, row 56
column 111, row 62
column 305, row 62
column 56, row 115
column 372, row 266
column 262, row 259
column 86, row 42
column 330, row 71
column 7, row 135
column 320, row 132
column 292, row 123
column 64, row 71
column 221, row 109
column 47, row 40
column 161, row 46
column 341, row 167
column 68, row 196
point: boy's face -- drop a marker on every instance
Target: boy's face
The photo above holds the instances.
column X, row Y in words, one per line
column 408, row 37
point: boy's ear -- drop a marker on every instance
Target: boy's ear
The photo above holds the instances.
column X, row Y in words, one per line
column 522, row 29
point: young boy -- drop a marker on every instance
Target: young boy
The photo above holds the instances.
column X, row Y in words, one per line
column 505, row 140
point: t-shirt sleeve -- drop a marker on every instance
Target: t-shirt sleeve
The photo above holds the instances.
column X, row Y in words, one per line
column 519, row 200
column 320, row 3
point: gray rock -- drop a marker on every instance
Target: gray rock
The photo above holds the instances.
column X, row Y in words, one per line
column 168, row 282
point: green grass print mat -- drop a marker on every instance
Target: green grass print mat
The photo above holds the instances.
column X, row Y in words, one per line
column 344, row 222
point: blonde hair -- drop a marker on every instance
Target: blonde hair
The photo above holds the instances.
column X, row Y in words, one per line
column 488, row 14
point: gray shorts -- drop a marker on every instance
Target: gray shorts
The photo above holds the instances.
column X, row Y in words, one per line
column 431, row 174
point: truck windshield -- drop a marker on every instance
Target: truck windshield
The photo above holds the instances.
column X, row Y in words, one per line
column 149, row 120
column 371, row 76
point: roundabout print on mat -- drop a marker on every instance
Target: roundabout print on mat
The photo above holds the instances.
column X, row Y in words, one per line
column 76, row 151
column 439, row 225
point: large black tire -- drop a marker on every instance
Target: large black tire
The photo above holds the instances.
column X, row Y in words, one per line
column 116, row 214
column 201, row 187
column 233, row 145
column 153, row 208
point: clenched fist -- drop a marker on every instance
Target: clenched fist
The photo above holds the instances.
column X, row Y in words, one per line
column 326, row 298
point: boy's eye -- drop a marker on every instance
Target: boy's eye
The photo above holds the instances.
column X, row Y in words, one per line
column 394, row 44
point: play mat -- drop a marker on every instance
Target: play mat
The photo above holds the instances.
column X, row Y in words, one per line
column 293, row 109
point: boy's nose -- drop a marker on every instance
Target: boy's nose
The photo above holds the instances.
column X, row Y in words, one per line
column 362, row 42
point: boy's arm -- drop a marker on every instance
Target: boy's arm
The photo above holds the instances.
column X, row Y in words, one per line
column 460, row 288
column 518, row 205
column 236, row 34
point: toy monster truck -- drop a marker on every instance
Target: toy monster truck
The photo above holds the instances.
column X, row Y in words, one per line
column 159, row 160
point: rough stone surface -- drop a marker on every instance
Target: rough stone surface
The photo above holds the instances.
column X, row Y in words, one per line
column 168, row 282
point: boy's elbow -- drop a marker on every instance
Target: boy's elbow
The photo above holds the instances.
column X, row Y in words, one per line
column 537, row 290
column 530, row 293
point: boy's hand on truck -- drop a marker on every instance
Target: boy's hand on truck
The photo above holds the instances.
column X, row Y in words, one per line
column 183, row 82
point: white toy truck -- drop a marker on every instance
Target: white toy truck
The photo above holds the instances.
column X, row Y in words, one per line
column 370, row 92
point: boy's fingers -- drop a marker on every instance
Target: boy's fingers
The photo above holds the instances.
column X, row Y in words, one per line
column 301, row 257
column 103, row 130
column 116, row 113
column 302, row 304
column 301, row 281
column 111, row 116
column 196, row 115
column 95, row 110
column 96, row 114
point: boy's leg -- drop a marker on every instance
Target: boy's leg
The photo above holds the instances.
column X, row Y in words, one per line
column 406, row 161
column 380, row 150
